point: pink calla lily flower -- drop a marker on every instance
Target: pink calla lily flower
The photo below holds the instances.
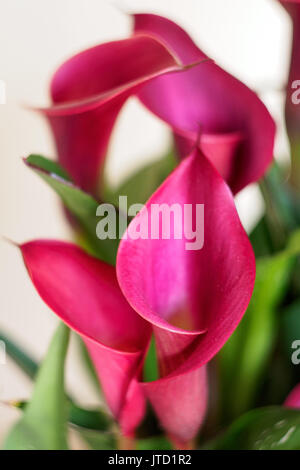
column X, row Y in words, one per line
column 88, row 92
column 191, row 300
column 293, row 111
column 293, row 399
column 237, row 130
column 85, row 294
column 194, row 299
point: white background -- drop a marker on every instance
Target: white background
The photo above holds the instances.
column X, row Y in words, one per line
column 250, row 38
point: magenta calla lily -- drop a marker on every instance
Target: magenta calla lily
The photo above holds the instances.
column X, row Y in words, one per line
column 192, row 300
column 237, row 130
column 293, row 399
column 88, row 92
column 292, row 110
column 85, row 294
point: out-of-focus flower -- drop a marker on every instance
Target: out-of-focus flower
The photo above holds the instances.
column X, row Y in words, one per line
column 237, row 130
column 84, row 293
column 292, row 110
column 88, row 92
column 292, row 103
column 293, row 399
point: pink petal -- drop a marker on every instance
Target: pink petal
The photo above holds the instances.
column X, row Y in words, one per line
column 134, row 408
column 293, row 110
column 181, row 411
column 193, row 298
column 220, row 149
column 88, row 92
column 209, row 100
column 84, row 293
column 293, row 399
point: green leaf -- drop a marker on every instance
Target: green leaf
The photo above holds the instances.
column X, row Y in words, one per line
column 291, row 326
column 151, row 363
column 281, row 206
column 271, row 428
column 93, row 419
column 261, row 240
column 140, row 186
column 22, row 359
column 43, row 424
column 295, row 166
column 154, row 443
column 284, row 203
column 49, row 166
column 86, row 418
column 89, row 366
column 80, row 204
column 97, row 440
column 245, row 356
column 281, row 214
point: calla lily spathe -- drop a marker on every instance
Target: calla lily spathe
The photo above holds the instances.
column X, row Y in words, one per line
column 89, row 90
column 84, row 293
column 292, row 111
column 194, row 299
column 190, row 300
column 237, row 130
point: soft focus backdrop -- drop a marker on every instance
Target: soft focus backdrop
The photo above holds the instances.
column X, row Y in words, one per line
column 249, row 38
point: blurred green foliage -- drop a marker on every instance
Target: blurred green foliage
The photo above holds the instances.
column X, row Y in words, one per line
column 271, row 428
column 43, row 424
column 247, row 354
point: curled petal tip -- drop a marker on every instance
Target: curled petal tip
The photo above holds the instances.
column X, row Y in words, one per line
column 197, row 62
column 117, row 5
column 10, row 241
column 293, row 399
